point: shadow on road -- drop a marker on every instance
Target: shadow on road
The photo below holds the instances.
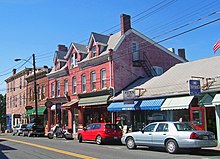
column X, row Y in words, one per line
column 200, row 152
column 4, row 148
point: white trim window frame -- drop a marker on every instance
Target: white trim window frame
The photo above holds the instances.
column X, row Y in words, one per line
column 74, row 85
column 83, row 83
column 93, row 81
column 103, row 78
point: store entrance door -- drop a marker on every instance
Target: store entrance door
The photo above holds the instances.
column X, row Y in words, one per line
column 197, row 117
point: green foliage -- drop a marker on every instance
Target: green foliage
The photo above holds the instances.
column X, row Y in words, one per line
column 2, row 111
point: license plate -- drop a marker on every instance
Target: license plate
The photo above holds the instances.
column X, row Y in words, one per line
column 205, row 137
column 115, row 137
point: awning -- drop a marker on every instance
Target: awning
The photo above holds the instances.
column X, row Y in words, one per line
column 30, row 111
column 40, row 110
column 206, row 101
column 96, row 100
column 68, row 104
column 152, row 104
column 119, row 106
column 177, row 103
column 216, row 100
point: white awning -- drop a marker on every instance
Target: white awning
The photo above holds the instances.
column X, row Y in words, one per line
column 177, row 103
column 216, row 100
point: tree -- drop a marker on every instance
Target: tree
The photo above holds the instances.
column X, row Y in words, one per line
column 2, row 111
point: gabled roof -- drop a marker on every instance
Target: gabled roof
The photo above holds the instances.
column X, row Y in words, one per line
column 79, row 48
column 98, row 38
column 59, row 55
column 175, row 80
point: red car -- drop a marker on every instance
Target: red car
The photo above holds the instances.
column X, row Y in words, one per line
column 100, row 133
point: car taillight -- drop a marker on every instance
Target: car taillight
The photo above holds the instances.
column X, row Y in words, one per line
column 194, row 136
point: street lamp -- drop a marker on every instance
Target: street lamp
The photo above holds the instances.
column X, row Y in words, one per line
column 35, row 85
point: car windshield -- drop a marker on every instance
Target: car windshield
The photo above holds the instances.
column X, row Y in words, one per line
column 184, row 127
column 112, row 126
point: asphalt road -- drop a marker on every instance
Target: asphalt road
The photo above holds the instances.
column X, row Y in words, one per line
column 18, row 147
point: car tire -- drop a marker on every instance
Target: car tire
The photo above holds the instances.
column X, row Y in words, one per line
column 171, row 146
column 130, row 143
column 80, row 138
column 98, row 140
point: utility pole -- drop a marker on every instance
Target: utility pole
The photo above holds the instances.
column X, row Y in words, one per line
column 35, row 89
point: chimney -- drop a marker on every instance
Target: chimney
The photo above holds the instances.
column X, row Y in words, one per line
column 13, row 71
column 62, row 48
column 125, row 23
column 181, row 53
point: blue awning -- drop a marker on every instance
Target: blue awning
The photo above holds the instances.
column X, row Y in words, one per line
column 151, row 104
column 119, row 106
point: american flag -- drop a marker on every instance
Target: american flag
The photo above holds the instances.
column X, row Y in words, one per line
column 216, row 46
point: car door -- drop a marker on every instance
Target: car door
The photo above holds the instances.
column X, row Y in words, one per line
column 87, row 132
column 160, row 134
column 145, row 136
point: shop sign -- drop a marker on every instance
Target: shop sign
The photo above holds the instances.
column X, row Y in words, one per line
column 194, row 87
column 128, row 97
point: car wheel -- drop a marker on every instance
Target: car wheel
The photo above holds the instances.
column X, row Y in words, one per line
column 80, row 138
column 98, row 140
column 130, row 143
column 171, row 146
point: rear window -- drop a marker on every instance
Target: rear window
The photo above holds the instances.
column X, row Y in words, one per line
column 112, row 126
column 184, row 127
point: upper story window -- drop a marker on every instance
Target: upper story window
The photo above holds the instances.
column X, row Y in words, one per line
column 84, row 83
column 135, row 51
column 66, row 86
column 31, row 95
column 157, row 71
column 93, row 51
column 39, row 93
column 11, row 87
column 20, row 83
column 74, row 85
column 7, row 87
column 15, row 101
column 14, row 85
column 93, row 80
column 43, row 92
column 24, row 99
column 58, row 88
column 52, row 90
column 74, row 60
column 103, row 78
column 20, row 101
column 10, row 102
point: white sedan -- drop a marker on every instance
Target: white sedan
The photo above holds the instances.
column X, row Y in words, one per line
column 170, row 135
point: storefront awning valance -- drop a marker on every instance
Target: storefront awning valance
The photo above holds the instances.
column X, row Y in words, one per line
column 69, row 104
column 151, row 104
column 216, row 100
column 30, row 111
column 96, row 100
column 177, row 103
column 40, row 110
column 206, row 101
column 119, row 106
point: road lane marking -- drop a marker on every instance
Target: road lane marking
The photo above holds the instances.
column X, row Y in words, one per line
column 51, row 149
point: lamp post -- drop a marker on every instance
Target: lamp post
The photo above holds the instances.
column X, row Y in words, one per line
column 35, row 85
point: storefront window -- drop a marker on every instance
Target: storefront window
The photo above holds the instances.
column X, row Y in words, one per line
column 197, row 117
column 65, row 117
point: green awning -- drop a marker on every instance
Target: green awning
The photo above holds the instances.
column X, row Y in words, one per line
column 96, row 100
column 216, row 100
column 40, row 110
column 206, row 101
column 30, row 111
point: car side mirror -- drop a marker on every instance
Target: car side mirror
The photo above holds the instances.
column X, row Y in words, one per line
column 142, row 130
column 84, row 129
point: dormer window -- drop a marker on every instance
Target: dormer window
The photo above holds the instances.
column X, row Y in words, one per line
column 157, row 71
column 73, row 60
column 93, row 51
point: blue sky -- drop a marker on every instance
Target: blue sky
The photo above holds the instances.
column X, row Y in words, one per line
column 38, row 26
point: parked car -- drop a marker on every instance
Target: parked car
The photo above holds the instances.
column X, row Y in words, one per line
column 18, row 129
column 33, row 130
column 100, row 133
column 170, row 135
